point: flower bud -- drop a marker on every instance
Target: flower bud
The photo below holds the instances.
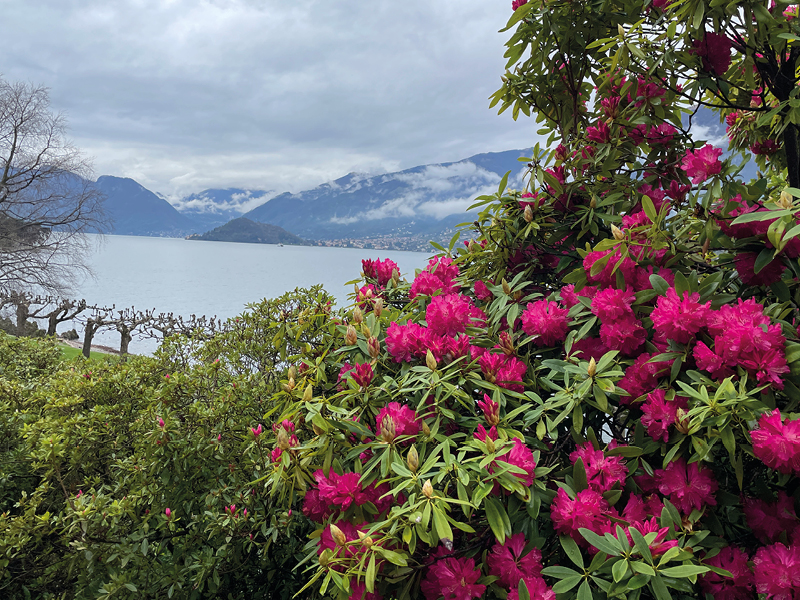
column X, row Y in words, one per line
column 395, row 277
column 412, row 459
column 388, row 429
column 351, row 337
column 366, row 541
column 338, row 535
column 374, row 347
column 378, row 307
column 681, row 422
column 426, row 431
column 325, row 557
column 506, row 287
column 427, row 489
column 308, row 393
column 490, row 447
column 506, row 343
column 283, row 439
column 593, row 202
column 527, row 214
column 358, row 316
column 592, row 367
column 617, row 232
column 430, row 360
column 292, row 372
column 317, row 429
column 620, row 29
column 786, row 200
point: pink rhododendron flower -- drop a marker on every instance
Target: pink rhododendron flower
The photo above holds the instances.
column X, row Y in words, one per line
column 777, row 571
column 340, row 491
column 715, row 50
column 769, row 519
column 362, row 374
column 607, row 276
column 589, row 510
column 509, row 565
column 379, row 269
column 286, row 424
column 481, row 433
column 659, row 413
column 680, row 319
column 625, row 334
column 482, row 292
column 439, row 275
column 522, row 457
column 689, row 487
column 314, row 507
column 448, row 315
column 546, row 320
column 738, row 587
column 326, row 541
column 401, row 341
column 602, row 471
column 610, row 304
column 256, row 431
column 660, row 544
column 599, row 133
column 517, row 3
column 589, row 348
column 745, row 266
column 453, row 578
column 702, row 163
column 569, row 297
column 404, row 419
column 777, row 443
column 642, row 376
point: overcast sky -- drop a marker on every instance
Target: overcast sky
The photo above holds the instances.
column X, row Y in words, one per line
column 184, row 95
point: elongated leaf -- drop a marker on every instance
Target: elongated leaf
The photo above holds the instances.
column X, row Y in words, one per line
column 599, row 542
column 522, row 590
column 495, row 519
column 572, row 550
column 684, row 571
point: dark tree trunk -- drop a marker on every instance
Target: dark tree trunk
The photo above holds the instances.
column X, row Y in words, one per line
column 22, row 317
column 125, row 339
column 52, row 323
column 88, row 334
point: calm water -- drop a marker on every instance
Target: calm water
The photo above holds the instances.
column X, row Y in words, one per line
column 215, row 278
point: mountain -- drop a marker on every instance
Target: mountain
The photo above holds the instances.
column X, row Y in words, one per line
column 425, row 201
column 214, row 207
column 247, row 231
column 135, row 210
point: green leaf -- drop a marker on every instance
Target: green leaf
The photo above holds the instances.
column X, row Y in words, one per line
column 495, row 519
column 369, row 578
column 567, row 584
column 585, row 592
column 392, row 557
column 572, row 550
column 640, row 543
column 626, row 451
column 659, row 284
column 660, row 588
column 131, row 587
column 763, row 259
column 522, row 590
column 619, row 570
column 683, row 571
column 649, row 209
column 699, row 12
column 764, row 215
column 440, row 524
column 580, row 481
column 599, row 542
column 560, row 572
column 503, row 183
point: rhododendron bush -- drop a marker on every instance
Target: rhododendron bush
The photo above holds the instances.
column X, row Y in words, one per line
column 596, row 395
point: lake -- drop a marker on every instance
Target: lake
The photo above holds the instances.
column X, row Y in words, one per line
column 214, row 278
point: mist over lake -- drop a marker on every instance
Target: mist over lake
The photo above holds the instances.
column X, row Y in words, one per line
column 214, row 278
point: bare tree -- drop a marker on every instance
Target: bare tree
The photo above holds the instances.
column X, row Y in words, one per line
column 47, row 200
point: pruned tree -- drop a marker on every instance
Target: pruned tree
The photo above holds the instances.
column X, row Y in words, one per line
column 101, row 317
column 128, row 321
column 47, row 201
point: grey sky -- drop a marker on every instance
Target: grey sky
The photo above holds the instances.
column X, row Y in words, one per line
column 184, row 95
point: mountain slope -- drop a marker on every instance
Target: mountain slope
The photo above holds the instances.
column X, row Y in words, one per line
column 426, row 200
column 247, row 231
column 135, row 210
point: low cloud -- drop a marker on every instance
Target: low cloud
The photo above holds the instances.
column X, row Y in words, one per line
column 203, row 203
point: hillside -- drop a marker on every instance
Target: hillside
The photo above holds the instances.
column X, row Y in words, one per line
column 246, row 231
